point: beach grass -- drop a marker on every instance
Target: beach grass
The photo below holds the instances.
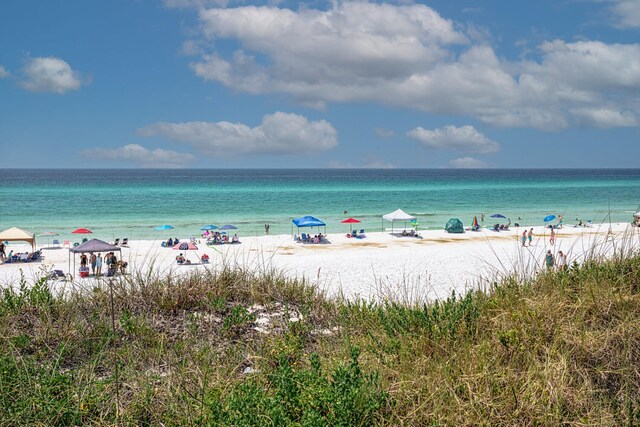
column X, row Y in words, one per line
column 241, row 347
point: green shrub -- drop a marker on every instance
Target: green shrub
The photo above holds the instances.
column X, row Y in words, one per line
column 304, row 396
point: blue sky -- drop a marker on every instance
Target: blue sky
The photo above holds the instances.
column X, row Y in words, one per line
column 220, row 83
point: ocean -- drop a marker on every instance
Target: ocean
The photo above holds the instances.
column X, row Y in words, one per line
column 131, row 202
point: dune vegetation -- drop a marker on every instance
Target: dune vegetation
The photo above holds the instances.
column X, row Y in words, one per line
column 237, row 347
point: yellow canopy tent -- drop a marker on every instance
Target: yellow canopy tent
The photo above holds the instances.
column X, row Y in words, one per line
column 16, row 234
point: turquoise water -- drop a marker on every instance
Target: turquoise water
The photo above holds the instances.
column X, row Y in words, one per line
column 129, row 203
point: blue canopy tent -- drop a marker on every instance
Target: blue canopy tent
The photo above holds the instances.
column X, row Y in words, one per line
column 308, row 221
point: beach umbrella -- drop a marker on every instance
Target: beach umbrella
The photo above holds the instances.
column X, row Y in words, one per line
column 228, row 227
column 185, row 246
column 549, row 218
column 498, row 216
column 48, row 235
column 81, row 231
column 164, row 227
column 350, row 221
column 209, row 227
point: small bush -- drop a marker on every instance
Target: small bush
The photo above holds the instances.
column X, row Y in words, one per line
column 304, row 396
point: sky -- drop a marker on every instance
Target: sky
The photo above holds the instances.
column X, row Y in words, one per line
column 342, row 84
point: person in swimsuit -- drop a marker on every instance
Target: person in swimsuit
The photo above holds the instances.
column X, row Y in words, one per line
column 548, row 259
column 552, row 238
column 98, row 265
column 524, row 238
column 530, row 236
column 561, row 262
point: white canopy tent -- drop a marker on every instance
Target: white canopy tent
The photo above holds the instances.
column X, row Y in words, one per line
column 397, row 215
column 16, row 234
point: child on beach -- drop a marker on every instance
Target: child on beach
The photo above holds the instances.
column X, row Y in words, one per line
column 530, row 236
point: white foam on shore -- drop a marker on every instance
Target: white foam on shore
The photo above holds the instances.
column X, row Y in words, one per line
column 378, row 266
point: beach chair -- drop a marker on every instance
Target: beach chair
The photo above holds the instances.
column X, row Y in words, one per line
column 125, row 242
column 361, row 235
column 66, row 244
column 56, row 242
column 85, row 240
column 304, row 237
column 116, row 242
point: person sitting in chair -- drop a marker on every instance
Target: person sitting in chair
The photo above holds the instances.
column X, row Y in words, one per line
column 180, row 259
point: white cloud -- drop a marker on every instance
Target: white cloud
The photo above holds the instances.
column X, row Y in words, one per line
column 406, row 55
column 3, row 72
column 279, row 133
column 627, row 13
column 310, row 48
column 467, row 163
column 142, row 156
column 464, row 138
column 606, row 118
column 50, row 75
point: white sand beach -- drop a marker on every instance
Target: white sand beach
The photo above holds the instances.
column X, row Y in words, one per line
column 378, row 266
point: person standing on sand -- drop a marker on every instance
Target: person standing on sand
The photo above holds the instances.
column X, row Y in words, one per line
column 98, row 265
column 552, row 238
column 530, row 236
column 524, row 238
column 548, row 260
column 3, row 255
column 92, row 260
column 561, row 262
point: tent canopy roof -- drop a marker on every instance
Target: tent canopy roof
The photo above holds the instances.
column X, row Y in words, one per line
column 637, row 214
column 95, row 245
column 308, row 221
column 15, row 233
column 398, row 215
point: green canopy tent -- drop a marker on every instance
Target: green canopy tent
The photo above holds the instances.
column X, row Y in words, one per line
column 454, row 225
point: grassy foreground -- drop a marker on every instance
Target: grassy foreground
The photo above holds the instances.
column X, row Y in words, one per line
column 239, row 348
